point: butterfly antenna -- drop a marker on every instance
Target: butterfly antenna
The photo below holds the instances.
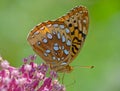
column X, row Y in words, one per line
column 84, row 67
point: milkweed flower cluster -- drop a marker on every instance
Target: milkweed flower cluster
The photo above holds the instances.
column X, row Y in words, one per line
column 29, row 77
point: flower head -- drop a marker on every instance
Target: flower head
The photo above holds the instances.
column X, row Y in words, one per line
column 29, row 77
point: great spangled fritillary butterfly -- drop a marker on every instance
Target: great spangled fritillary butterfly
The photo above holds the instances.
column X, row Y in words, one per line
column 58, row 42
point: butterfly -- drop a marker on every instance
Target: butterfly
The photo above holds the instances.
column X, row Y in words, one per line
column 58, row 42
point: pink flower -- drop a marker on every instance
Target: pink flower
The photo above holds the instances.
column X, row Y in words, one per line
column 29, row 77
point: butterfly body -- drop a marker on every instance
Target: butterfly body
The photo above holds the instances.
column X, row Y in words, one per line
column 58, row 42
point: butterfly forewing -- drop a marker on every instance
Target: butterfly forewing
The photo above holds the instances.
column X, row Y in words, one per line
column 58, row 42
column 77, row 22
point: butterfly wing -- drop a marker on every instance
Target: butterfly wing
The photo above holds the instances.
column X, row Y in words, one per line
column 58, row 42
column 77, row 22
column 51, row 41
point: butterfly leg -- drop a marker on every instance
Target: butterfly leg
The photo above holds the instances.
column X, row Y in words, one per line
column 63, row 77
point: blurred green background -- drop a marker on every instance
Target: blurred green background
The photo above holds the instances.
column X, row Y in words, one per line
column 101, row 48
